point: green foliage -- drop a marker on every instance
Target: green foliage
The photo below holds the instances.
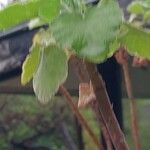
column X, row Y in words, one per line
column 30, row 65
column 136, row 41
column 91, row 33
column 51, row 73
column 47, row 64
column 77, row 31
column 140, row 7
column 19, row 12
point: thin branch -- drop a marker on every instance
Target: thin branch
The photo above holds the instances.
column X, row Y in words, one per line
column 83, row 122
column 133, row 109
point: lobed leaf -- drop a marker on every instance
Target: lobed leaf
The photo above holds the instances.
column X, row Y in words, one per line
column 92, row 33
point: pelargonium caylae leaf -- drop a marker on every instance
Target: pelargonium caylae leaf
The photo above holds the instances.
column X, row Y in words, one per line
column 51, row 73
column 94, row 31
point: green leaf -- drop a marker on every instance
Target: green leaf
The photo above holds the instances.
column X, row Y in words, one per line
column 92, row 33
column 30, row 65
column 17, row 13
column 49, row 9
column 136, row 41
column 52, row 72
column 20, row 12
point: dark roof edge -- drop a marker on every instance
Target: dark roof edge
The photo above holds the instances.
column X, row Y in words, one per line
column 18, row 29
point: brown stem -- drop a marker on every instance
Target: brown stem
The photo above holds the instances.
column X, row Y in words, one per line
column 133, row 109
column 102, row 125
column 105, row 108
column 83, row 122
column 79, row 69
column 82, row 74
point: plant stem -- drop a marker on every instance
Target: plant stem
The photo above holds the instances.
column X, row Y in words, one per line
column 82, row 74
column 105, row 108
column 83, row 122
column 133, row 109
column 79, row 69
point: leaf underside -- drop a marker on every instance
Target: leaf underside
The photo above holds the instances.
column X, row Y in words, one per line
column 51, row 73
